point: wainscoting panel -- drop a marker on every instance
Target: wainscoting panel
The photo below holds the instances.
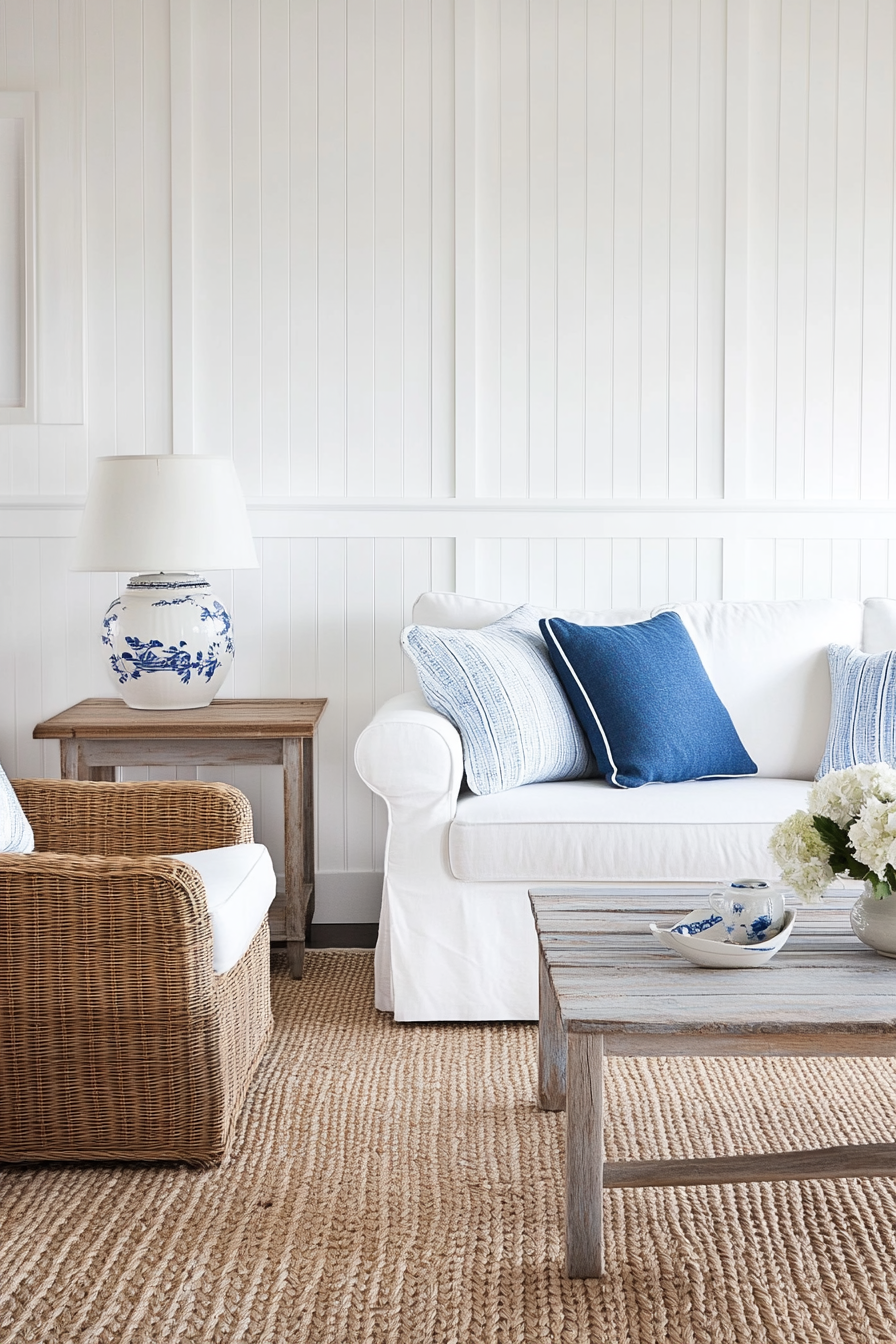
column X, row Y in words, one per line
column 784, row 568
column 599, row 213
column 323, row 244
column 41, row 53
column 810, row 256
column 596, row 573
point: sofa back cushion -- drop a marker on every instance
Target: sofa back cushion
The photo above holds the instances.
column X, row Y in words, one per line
column 453, row 611
column 768, row 661
column 879, row 625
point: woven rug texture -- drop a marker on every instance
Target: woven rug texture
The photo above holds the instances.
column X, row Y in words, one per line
column 398, row 1183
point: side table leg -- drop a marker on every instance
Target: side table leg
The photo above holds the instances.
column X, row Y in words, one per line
column 308, row 829
column 294, row 845
column 584, row 1156
column 551, row 1045
column 69, row 758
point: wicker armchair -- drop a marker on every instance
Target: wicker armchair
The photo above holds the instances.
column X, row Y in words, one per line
column 117, row 1041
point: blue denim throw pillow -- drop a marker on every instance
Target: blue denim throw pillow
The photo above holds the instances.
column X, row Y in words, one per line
column 645, row 702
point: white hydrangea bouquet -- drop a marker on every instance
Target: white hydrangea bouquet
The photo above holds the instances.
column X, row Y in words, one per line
column 848, row 831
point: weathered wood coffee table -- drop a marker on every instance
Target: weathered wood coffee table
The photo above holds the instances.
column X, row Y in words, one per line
column 607, row 987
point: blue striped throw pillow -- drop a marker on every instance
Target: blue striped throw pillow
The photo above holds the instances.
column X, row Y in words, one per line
column 863, row 709
column 498, row 688
column 16, row 836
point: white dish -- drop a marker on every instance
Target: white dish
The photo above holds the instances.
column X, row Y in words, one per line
column 705, row 946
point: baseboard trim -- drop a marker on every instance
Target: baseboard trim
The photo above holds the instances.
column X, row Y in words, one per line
column 339, row 935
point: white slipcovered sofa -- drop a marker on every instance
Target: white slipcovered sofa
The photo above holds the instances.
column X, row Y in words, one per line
column 457, row 940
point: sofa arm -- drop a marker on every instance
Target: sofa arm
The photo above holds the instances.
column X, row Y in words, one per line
column 410, row 754
column 168, row 817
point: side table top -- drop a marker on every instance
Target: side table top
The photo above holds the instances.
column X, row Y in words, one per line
column 610, row 975
column 112, row 718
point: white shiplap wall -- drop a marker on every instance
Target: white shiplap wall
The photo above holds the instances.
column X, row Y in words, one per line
column 588, row 302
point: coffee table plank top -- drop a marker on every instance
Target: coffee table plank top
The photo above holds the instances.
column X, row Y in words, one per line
column 112, row 718
column 612, row 977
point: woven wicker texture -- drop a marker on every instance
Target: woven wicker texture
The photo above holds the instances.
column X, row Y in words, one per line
column 158, row 818
column 398, row 1184
column 116, row 1039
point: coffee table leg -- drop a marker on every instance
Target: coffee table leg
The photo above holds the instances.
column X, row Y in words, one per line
column 584, row 1156
column 551, row 1045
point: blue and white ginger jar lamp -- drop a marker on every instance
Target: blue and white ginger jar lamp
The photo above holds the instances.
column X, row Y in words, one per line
column 168, row 640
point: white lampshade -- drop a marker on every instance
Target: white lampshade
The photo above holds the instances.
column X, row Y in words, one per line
column 172, row 513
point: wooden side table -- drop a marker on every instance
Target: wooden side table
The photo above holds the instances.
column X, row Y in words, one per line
column 97, row 736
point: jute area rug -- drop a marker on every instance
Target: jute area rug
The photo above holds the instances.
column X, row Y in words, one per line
column 395, row 1183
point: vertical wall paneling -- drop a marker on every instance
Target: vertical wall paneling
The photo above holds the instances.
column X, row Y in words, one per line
column 99, row 224
column 598, row 163
column 303, row 235
column 155, row 131
column 737, row 187
column 212, row 225
column 466, row 52
column 599, row 573
column 181, row 234
column 366, row 280
column 810, row 238
column 275, row 224
column 130, row 236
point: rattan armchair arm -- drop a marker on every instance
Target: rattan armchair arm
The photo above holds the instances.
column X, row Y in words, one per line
column 110, row 1034
column 167, row 817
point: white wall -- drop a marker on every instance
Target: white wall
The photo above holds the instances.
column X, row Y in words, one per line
column 578, row 301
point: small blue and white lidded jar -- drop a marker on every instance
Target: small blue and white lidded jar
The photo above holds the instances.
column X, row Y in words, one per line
column 168, row 642
column 751, row 910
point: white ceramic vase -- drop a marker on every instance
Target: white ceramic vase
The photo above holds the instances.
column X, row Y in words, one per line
column 168, row 642
column 874, row 921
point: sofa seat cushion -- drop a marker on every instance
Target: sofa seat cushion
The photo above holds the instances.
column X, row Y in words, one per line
column 239, row 887
column 585, row 830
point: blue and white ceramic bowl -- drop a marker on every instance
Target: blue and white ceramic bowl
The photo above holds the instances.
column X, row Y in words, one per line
column 701, row 937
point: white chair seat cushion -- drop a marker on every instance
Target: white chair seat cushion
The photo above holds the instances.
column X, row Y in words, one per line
column 584, row 830
column 239, row 887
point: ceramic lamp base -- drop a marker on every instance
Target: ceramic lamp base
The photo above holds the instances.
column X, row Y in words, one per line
column 168, row 642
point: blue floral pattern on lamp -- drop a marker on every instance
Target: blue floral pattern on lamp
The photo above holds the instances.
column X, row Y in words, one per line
column 167, row 652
